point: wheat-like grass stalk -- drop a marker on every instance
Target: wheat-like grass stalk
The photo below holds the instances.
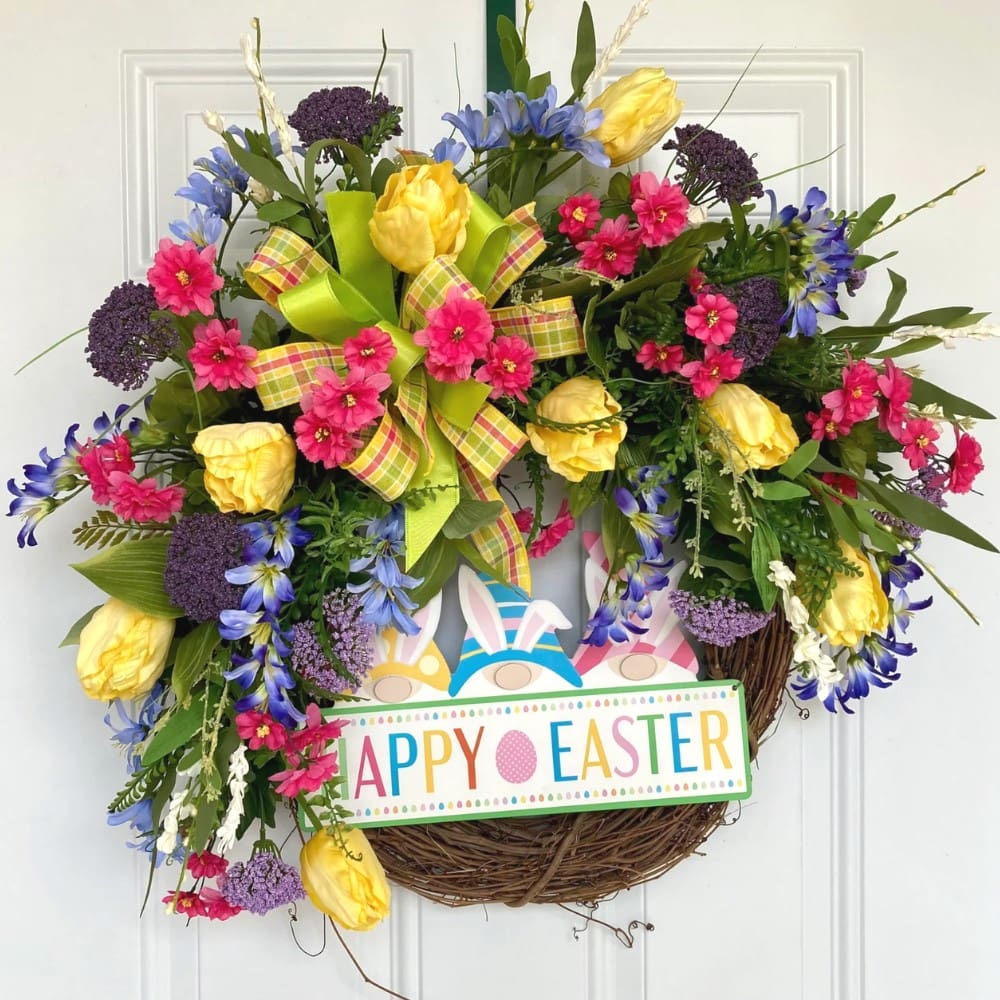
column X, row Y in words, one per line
column 608, row 56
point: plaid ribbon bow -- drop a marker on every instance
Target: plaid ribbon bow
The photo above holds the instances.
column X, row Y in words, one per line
column 439, row 439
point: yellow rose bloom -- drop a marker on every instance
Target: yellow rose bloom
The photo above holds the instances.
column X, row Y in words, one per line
column 638, row 110
column 858, row 605
column 248, row 467
column 122, row 651
column 354, row 893
column 757, row 434
column 421, row 215
column 570, row 454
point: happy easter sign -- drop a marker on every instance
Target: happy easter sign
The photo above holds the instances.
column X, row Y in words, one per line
column 543, row 753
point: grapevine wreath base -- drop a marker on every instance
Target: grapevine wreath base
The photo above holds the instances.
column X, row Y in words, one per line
column 586, row 856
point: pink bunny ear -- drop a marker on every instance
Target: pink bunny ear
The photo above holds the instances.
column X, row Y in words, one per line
column 594, row 579
column 480, row 610
column 539, row 617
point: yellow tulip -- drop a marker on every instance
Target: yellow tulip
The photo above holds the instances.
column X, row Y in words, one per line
column 421, row 215
column 755, row 434
column 858, row 605
column 122, row 651
column 248, row 467
column 638, row 110
column 572, row 454
column 346, row 882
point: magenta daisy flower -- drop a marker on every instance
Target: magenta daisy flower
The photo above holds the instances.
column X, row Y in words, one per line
column 707, row 375
column 184, row 278
column 711, row 319
column 508, row 369
column 219, row 359
column 456, row 335
column 663, row 358
column 578, row 215
column 612, row 250
column 350, row 403
column 660, row 209
column 369, row 351
column 917, row 438
column 143, row 500
column 320, row 439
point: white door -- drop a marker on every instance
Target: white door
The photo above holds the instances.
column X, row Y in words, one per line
column 863, row 867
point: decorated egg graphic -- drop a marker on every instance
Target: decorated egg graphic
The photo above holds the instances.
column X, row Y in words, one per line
column 516, row 757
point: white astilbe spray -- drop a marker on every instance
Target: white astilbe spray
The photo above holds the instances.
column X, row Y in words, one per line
column 611, row 53
column 947, row 335
column 214, row 121
column 178, row 810
column 238, row 771
column 267, row 96
column 808, row 654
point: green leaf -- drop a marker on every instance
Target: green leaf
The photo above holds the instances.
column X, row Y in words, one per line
column 734, row 570
column 276, row 211
column 133, row 572
column 864, row 225
column 764, row 548
column 181, row 726
column 510, row 43
column 470, row 515
column 537, row 84
column 522, row 74
column 586, row 52
column 192, row 656
column 264, row 332
column 301, row 227
column 843, row 526
column 878, row 535
column 267, row 171
column 666, row 271
column 620, row 187
column 592, row 338
column 779, row 489
column 913, row 346
column 800, row 459
column 923, row 393
column 435, row 567
column 895, row 298
column 384, row 169
column 73, row 635
column 913, row 508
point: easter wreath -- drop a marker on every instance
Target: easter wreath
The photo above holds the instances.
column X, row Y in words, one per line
column 278, row 509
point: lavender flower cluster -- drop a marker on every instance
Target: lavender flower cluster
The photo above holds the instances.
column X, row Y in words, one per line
column 712, row 167
column 719, row 621
column 350, row 638
column 262, row 884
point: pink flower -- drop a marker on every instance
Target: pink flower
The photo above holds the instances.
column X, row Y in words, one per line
column 456, row 335
column 664, row 358
column 579, row 214
column 508, row 369
column 183, row 278
column 856, row 400
column 711, row 319
column 552, row 534
column 824, row 426
column 219, row 359
column 966, row 462
column 917, row 438
column 206, row 865
column 188, row 904
column 717, row 367
column 315, row 733
column 895, row 388
column 695, row 281
column 320, row 439
column 612, row 250
column 369, row 351
column 524, row 519
column 260, row 730
column 351, row 403
column 660, row 208
column 317, row 772
column 216, row 905
column 98, row 461
column 134, row 500
column 846, row 485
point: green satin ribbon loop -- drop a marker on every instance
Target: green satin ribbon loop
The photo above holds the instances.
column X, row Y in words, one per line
column 486, row 239
column 457, row 402
column 360, row 263
column 408, row 355
column 327, row 307
column 423, row 523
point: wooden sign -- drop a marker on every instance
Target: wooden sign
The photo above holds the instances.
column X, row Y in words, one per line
column 532, row 753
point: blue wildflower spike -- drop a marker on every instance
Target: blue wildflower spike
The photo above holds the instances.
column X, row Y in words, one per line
column 506, row 627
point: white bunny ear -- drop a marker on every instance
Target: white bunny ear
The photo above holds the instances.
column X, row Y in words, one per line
column 381, row 648
column 594, row 579
column 481, row 612
column 410, row 648
column 538, row 617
